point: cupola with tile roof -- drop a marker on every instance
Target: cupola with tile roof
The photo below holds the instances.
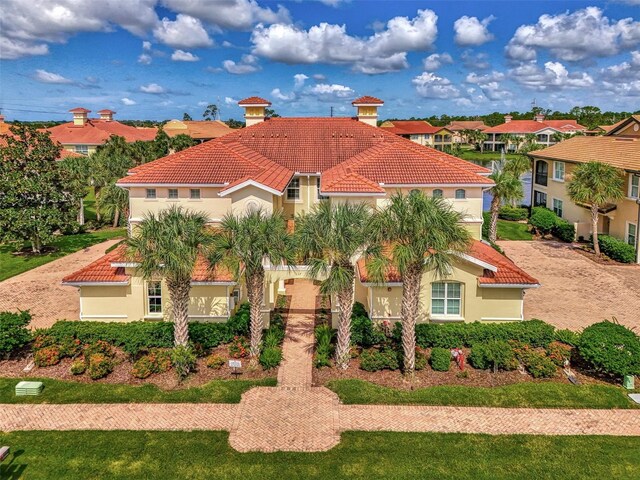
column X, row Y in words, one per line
column 368, row 109
column 80, row 116
column 106, row 115
column 254, row 109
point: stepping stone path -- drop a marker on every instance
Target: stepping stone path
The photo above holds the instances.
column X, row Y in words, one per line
column 295, row 416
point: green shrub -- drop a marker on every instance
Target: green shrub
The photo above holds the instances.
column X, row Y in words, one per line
column 273, row 337
column 543, row 220
column 100, row 365
column 496, row 354
column 616, row 249
column 13, row 332
column 440, row 359
column 270, row 357
column 559, row 353
column 183, row 360
column 421, row 359
column 507, row 212
column 215, row 362
column 486, row 217
column 142, row 368
column 363, row 333
column 156, row 361
column 324, row 337
column 47, row 356
column 239, row 347
column 373, row 360
column 564, row 231
column 567, row 336
column 611, row 348
column 536, row 362
column 78, row 367
column 240, row 321
column 454, row 335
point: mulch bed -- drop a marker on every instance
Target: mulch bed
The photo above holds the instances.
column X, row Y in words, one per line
column 430, row 378
column 122, row 372
column 602, row 260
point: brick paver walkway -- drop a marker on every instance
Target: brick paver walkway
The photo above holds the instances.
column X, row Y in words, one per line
column 40, row 292
column 576, row 291
column 294, row 416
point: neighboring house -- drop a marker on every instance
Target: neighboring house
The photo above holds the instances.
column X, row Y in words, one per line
column 85, row 134
column 421, row 132
column 291, row 164
column 543, row 130
column 201, row 131
column 459, row 126
column 553, row 166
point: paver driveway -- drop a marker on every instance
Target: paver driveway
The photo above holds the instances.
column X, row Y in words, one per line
column 40, row 292
column 576, row 291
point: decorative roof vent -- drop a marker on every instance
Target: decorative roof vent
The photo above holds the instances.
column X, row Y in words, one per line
column 106, row 115
column 368, row 109
column 80, row 116
column 254, row 109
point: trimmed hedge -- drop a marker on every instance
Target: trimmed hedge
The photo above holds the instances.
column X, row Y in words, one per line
column 616, row 249
column 454, row 335
column 507, row 212
column 564, row 231
column 14, row 333
column 543, row 220
column 611, row 348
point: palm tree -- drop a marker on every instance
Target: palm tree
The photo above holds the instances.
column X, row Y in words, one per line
column 506, row 139
column 166, row 245
column 595, row 184
column 114, row 200
column 241, row 245
column 330, row 237
column 76, row 169
column 422, row 234
column 507, row 188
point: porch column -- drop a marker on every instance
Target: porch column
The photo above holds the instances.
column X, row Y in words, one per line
column 281, row 289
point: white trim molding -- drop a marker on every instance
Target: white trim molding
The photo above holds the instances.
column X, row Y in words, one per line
column 508, row 285
column 249, row 183
column 96, row 284
column 204, row 284
column 82, row 317
column 151, row 185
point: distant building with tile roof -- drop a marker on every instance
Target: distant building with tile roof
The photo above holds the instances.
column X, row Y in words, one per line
column 83, row 135
column 5, row 129
column 290, row 165
column 198, row 130
column 553, row 167
column 458, row 127
column 421, row 132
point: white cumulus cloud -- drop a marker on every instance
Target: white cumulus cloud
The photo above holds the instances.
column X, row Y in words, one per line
column 50, row 77
column 429, row 85
column 182, row 56
column 248, row 64
column 127, row 101
column 471, row 31
column 153, row 88
column 554, row 75
column 184, row 32
column 435, row 61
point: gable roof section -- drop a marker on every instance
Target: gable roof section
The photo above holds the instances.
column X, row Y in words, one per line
column 533, row 126
column 458, row 125
column 97, row 132
column 198, row 130
column 411, row 127
column 254, row 101
column 367, row 100
column 623, row 124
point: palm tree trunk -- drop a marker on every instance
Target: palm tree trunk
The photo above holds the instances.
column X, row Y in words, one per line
column 96, row 194
column 594, row 226
column 255, row 292
column 116, row 217
column 493, row 223
column 410, row 303
column 81, row 212
column 179, row 293
column 343, row 347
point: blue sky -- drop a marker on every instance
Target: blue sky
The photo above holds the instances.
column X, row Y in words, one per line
column 155, row 59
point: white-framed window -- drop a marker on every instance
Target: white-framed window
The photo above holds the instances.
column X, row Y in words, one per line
column 293, row 189
column 446, row 299
column 172, row 194
column 461, row 194
column 194, row 193
column 319, row 195
column 82, row 149
column 632, row 233
column 154, row 298
column 437, row 193
column 634, row 186
column 558, row 171
column 151, row 193
column 414, row 138
column 557, row 207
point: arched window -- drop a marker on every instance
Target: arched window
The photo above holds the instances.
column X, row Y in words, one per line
column 437, row 193
column 415, row 191
column 461, row 193
column 446, row 299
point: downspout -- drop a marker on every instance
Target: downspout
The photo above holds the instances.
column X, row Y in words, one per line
column 638, row 225
column 533, row 180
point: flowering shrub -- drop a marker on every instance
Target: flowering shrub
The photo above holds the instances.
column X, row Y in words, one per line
column 559, row 353
column 156, row 361
column 47, row 356
column 100, row 366
column 239, row 348
column 215, row 361
column 99, row 346
column 78, row 367
column 535, row 361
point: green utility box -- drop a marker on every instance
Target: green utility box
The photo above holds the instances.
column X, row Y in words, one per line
column 29, row 388
column 628, row 382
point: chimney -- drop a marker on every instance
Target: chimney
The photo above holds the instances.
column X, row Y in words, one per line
column 368, row 109
column 539, row 117
column 1, row 118
column 507, row 118
column 80, row 116
column 106, row 115
column 254, row 109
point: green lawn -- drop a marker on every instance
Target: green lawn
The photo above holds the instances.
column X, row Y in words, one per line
column 11, row 265
column 534, row 395
column 206, row 455
column 513, row 231
column 90, row 205
column 56, row 391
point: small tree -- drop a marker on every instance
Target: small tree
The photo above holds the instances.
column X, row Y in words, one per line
column 181, row 142
column 166, row 245
column 241, row 245
column 211, row 112
column 507, row 188
column 115, row 201
column 37, row 196
column 186, row 117
column 329, row 238
column 595, row 184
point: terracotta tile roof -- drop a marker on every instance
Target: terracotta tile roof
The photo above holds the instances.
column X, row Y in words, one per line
column 622, row 125
column 254, row 101
column 508, row 273
column 533, row 126
column 106, row 111
column 5, row 130
column 97, row 132
column 79, row 110
column 617, row 151
column 272, row 151
column 203, row 130
column 66, row 154
column 102, row 271
column 459, row 125
column 367, row 100
column 408, row 127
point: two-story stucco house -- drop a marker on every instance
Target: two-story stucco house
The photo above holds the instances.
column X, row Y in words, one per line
column 553, row 166
column 421, row 132
column 291, row 164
